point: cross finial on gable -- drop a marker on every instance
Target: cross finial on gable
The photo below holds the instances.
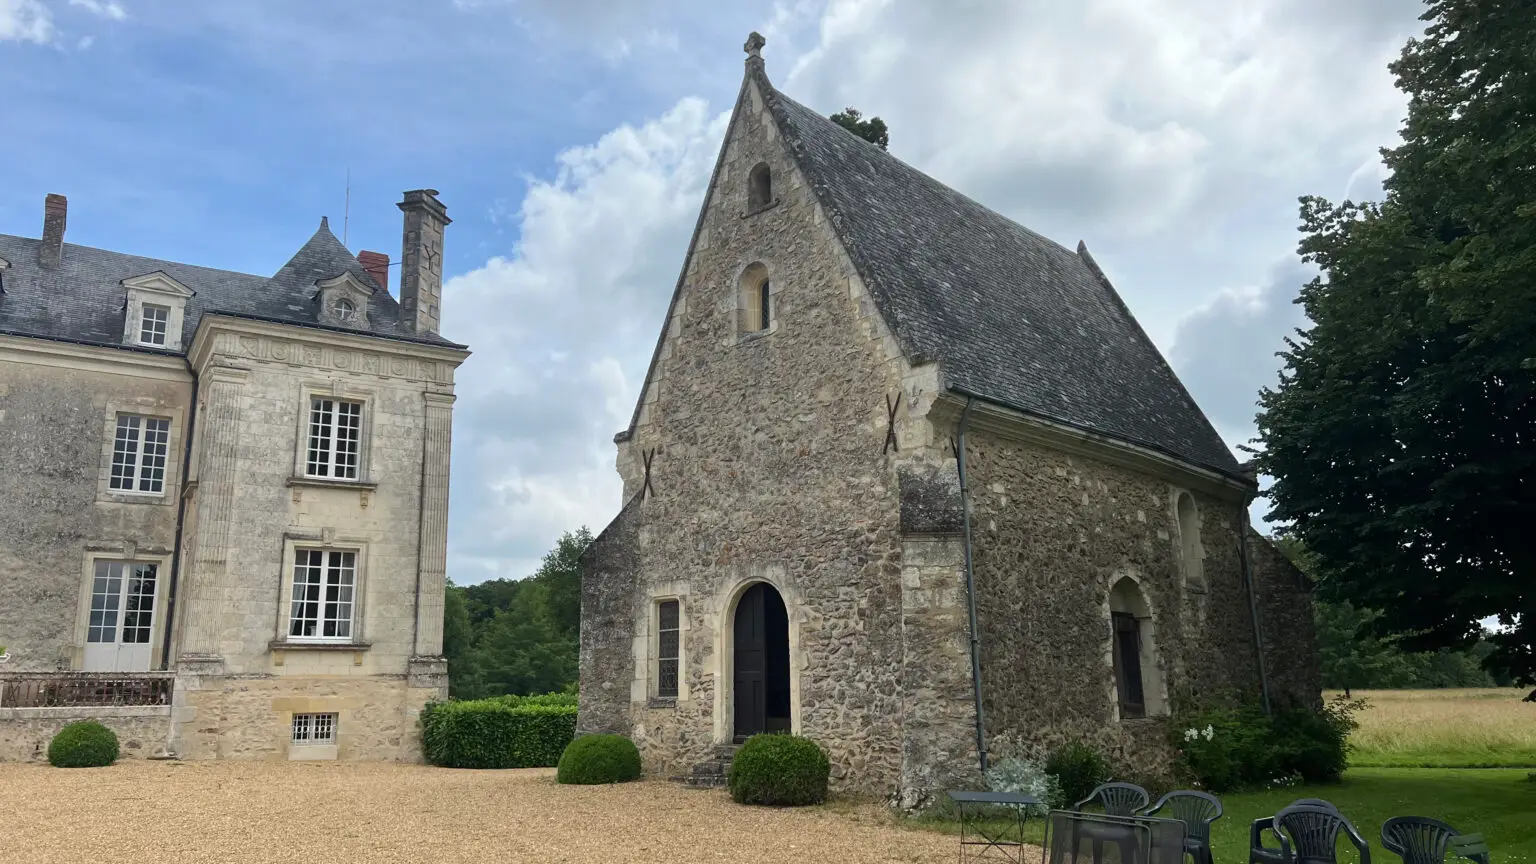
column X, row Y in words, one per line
column 754, row 46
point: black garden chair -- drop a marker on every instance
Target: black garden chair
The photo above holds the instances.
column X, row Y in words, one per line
column 1197, row 810
column 1117, row 799
column 1258, row 853
column 1309, row 834
column 1421, row 840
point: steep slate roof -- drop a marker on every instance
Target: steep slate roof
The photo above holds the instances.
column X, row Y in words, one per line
column 83, row 299
column 1012, row 317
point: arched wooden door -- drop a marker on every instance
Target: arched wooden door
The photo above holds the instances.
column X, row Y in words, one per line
column 761, row 675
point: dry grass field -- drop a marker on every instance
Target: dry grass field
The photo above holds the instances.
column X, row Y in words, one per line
column 1445, row 729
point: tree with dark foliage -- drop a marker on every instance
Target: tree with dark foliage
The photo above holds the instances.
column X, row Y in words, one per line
column 1402, row 436
column 872, row 130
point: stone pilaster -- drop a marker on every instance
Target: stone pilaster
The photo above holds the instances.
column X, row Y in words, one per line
column 432, row 550
column 219, row 425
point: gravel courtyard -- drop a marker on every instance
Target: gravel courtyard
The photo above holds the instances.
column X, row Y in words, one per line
column 376, row 813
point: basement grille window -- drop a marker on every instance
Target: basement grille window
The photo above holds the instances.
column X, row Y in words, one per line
column 314, row 728
column 668, row 631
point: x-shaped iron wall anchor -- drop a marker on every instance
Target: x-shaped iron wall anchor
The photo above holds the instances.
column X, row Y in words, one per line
column 890, row 423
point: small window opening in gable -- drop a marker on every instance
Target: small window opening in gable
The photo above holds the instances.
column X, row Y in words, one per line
column 759, row 187
column 344, row 310
column 755, row 300
column 1192, row 552
column 153, row 323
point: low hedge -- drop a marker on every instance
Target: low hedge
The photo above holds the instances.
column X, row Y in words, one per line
column 85, row 744
column 594, row 759
column 490, row 733
column 781, row 770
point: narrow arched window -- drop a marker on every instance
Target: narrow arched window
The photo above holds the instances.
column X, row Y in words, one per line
column 1191, row 551
column 755, row 304
column 759, row 187
column 1133, row 653
column 764, row 307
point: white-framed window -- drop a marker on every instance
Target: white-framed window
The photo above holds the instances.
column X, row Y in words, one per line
column 138, row 454
column 314, row 728
column 669, row 643
column 323, row 596
column 119, row 627
column 153, row 323
column 335, row 438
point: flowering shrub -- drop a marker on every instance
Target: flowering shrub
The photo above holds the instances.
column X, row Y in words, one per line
column 1024, row 775
column 1223, row 749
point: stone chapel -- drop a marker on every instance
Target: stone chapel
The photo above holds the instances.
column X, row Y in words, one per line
column 909, row 479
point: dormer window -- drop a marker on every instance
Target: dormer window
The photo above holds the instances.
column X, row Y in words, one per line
column 154, row 307
column 153, row 324
column 343, row 301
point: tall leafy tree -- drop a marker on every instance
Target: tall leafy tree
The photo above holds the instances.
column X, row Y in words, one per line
column 1402, row 436
column 517, row 636
column 872, row 130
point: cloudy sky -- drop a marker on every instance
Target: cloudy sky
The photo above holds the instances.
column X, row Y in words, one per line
column 571, row 141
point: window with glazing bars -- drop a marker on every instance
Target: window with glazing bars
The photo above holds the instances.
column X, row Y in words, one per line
column 314, row 728
column 152, row 324
column 323, row 585
column 335, row 432
column 108, row 599
column 138, row 454
column 668, row 633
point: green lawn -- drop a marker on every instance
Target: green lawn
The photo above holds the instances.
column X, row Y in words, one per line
column 1501, row 804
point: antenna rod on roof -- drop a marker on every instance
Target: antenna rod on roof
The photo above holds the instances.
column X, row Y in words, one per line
column 346, row 211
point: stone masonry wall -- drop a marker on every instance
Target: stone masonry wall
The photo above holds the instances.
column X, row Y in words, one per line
column 1285, row 615
column 609, row 567
column 251, row 716
column 26, row 732
column 1053, row 532
column 57, row 423
column 768, row 466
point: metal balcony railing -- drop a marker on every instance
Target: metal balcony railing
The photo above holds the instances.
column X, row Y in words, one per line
column 84, row 689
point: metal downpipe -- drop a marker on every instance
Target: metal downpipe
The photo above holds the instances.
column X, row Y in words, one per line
column 970, row 586
column 1253, row 602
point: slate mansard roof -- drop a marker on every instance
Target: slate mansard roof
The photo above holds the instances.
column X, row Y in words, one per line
column 1011, row 317
column 82, row 300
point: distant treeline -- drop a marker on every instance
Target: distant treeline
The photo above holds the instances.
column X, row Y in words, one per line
column 517, row 636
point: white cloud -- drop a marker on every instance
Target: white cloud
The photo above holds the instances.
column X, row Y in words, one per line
column 108, row 9
column 562, row 327
column 25, row 21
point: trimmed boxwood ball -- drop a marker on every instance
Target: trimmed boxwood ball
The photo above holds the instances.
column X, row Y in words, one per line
column 85, row 744
column 780, row 770
column 594, row 759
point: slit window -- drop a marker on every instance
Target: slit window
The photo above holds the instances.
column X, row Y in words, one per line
column 668, row 633
column 1127, row 658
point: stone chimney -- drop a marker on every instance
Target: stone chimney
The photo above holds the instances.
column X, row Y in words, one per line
column 55, row 211
column 421, row 259
column 377, row 265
